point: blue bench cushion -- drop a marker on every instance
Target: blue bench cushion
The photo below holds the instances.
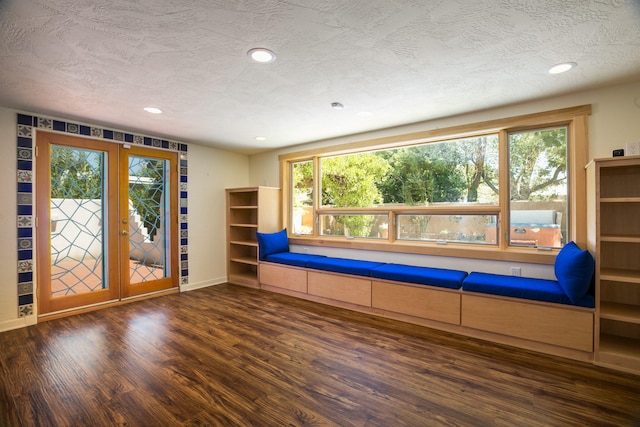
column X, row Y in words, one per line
column 522, row 287
column 291, row 258
column 574, row 270
column 343, row 265
column 422, row 275
column 272, row 243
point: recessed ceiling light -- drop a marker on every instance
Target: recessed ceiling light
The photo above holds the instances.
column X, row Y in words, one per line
column 562, row 68
column 153, row 110
column 261, row 138
column 262, row 55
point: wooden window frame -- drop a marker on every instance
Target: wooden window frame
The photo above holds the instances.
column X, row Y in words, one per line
column 574, row 118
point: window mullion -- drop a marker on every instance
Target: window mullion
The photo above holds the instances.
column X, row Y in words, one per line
column 503, row 189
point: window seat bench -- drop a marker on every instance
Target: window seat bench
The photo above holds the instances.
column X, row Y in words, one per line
column 534, row 314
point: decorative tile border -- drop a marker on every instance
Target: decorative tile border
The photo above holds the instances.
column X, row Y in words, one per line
column 25, row 186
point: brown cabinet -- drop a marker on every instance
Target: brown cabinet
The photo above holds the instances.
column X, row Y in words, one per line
column 249, row 210
column 616, row 242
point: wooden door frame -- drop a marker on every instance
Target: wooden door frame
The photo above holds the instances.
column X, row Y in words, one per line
column 127, row 290
column 43, row 224
column 115, row 180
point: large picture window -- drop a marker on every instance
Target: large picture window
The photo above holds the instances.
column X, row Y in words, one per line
column 506, row 187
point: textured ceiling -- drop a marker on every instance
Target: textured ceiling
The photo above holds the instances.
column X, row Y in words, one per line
column 404, row 61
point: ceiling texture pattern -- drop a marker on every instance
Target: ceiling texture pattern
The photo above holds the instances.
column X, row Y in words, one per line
column 401, row 61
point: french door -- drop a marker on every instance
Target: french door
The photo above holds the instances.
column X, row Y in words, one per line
column 106, row 221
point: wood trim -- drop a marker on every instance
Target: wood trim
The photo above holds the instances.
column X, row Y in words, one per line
column 433, row 248
column 478, row 128
column 286, row 277
column 578, row 131
column 560, row 326
column 100, row 306
column 417, row 300
column 340, row 287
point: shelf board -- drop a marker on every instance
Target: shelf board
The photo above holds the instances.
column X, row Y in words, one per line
column 618, row 275
column 243, row 207
column 620, row 200
column 619, row 238
column 621, row 312
column 619, row 353
column 244, row 225
column 244, row 243
column 244, row 279
column 245, row 260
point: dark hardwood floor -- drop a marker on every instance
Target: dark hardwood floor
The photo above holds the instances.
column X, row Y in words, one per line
column 231, row 356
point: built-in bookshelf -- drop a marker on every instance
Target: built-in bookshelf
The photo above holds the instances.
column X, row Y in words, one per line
column 249, row 210
column 617, row 249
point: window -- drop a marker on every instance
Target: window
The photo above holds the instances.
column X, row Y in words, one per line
column 476, row 229
column 302, row 198
column 538, row 187
column 420, row 191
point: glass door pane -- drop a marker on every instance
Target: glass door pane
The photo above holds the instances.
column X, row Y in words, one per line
column 148, row 212
column 77, row 232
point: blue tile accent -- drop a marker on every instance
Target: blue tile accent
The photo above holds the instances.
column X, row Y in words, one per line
column 59, row 126
column 25, row 299
column 25, row 232
column 25, row 229
column 23, row 119
column 25, row 165
column 25, row 142
column 25, row 210
column 25, row 187
column 25, row 277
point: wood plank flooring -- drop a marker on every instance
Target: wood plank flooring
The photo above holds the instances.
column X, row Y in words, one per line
column 233, row 356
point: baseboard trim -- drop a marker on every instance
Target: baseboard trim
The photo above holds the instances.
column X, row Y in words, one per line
column 203, row 284
column 18, row 323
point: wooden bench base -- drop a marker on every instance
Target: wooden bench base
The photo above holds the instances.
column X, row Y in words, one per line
column 556, row 329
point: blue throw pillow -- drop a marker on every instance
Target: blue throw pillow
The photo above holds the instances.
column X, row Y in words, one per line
column 574, row 270
column 272, row 243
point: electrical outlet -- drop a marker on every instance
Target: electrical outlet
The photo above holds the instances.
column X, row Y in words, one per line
column 516, row 271
column 632, row 149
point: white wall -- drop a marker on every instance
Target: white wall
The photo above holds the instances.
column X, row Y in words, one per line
column 9, row 235
column 210, row 172
column 615, row 121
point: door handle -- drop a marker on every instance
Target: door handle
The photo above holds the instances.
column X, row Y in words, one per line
column 125, row 232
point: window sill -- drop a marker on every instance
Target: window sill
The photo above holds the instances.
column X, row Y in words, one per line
column 493, row 253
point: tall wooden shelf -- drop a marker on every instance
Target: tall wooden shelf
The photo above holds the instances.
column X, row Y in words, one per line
column 615, row 240
column 249, row 209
